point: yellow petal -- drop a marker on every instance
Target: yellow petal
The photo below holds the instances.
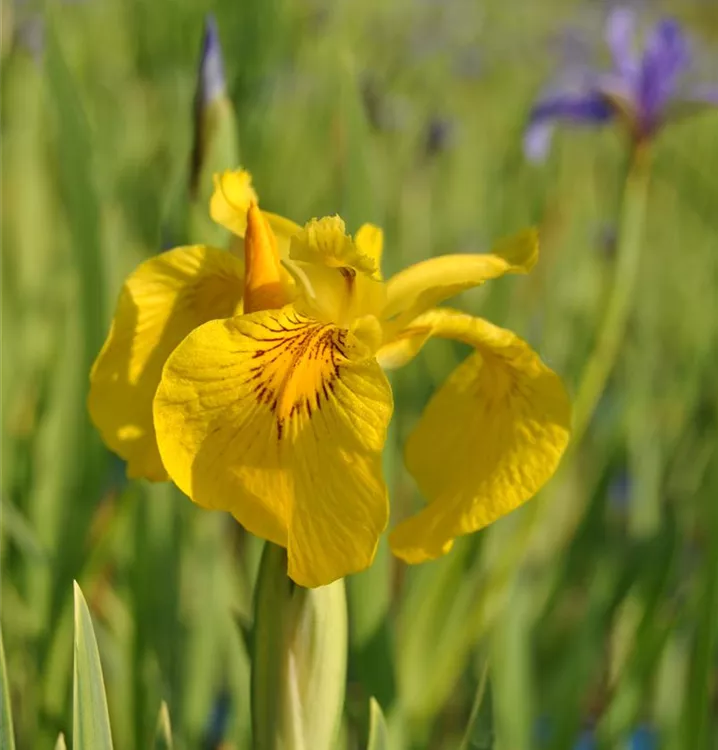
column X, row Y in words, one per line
column 423, row 285
column 337, row 281
column 160, row 303
column 489, row 439
column 281, row 420
column 284, row 229
column 404, row 347
column 337, row 295
column 370, row 242
column 325, row 241
column 233, row 194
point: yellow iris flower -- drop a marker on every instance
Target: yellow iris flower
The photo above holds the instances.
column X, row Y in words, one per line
column 259, row 388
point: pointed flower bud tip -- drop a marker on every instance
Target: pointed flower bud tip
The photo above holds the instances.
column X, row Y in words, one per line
column 212, row 83
column 263, row 287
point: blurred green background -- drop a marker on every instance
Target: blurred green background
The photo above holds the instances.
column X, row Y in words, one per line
column 589, row 618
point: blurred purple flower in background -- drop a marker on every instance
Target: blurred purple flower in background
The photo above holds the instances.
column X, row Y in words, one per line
column 210, row 99
column 439, row 135
column 586, row 741
column 211, row 81
column 641, row 738
column 642, row 90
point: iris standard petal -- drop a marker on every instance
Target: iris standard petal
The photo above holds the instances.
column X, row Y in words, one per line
column 666, row 57
column 281, row 421
column 370, row 241
column 160, row 303
column 233, row 194
column 589, row 107
column 419, row 287
column 325, row 241
column 488, row 440
column 284, row 229
column 620, row 38
column 338, row 278
column 333, row 295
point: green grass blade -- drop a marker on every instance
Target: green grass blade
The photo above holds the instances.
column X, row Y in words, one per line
column 79, row 193
column 20, row 531
column 7, row 735
column 60, row 744
column 478, row 730
column 163, row 733
column 698, row 712
column 378, row 734
column 90, row 719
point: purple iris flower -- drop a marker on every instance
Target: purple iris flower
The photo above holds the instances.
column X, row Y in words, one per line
column 644, row 90
column 210, row 92
column 211, row 84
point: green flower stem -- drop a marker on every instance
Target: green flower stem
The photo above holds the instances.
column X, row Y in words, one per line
column 299, row 659
column 613, row 327
column 272, row 600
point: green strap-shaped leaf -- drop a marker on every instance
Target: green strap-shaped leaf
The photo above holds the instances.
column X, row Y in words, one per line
column 60, row 744
column 7, row 736
column 90, row 720
column 163, row 732
column 378, row 733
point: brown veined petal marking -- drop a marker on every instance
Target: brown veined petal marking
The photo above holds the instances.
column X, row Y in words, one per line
column 280, row 420
column 294, row 375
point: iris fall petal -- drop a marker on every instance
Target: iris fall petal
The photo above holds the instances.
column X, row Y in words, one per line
column 489, row 439
column 160, row 303
column 280, row 420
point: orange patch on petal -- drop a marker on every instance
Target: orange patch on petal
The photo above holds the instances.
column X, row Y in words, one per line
column 297, row 370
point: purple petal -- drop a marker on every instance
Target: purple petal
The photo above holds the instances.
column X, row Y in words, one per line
column 585, row 108
column 537, row 141
column 666, row 57
column 211, row 71
column 620, row 37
